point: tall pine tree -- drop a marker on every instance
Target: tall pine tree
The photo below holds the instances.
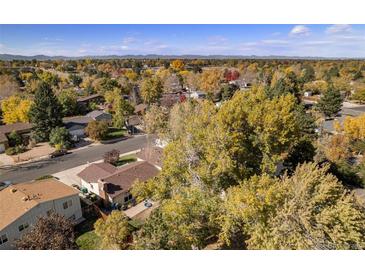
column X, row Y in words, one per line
column 330, row 103
column 45, row 112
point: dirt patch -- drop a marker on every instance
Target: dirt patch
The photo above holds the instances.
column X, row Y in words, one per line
column 40, row 150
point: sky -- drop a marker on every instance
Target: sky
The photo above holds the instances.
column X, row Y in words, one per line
column 261, row 40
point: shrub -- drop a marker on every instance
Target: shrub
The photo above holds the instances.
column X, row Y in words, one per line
column 97, row 130
column 10, row 151
column 14, row 139
column 15, row 150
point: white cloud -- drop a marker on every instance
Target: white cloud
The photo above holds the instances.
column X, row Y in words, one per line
column 275, row 42
column 336, row 29
column 129, row 40
column 299, row 30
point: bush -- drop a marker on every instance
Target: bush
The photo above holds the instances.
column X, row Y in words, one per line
column 97, row 130
column 14, row 139
column 43, row 177
column 60, row 138
column 15, row 150
column 10, row 151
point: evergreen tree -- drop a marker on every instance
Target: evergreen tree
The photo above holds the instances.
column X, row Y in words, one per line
column 45, row 112
column 330, row 103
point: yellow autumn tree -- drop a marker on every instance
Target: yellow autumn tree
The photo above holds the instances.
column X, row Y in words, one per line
column 210, row 80
column 15, row 109
column 354, row 127
column 177, row 65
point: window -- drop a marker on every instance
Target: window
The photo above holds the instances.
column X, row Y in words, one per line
column 128, row 198
column 3, row 239
column 23, row 226
column 67, row 204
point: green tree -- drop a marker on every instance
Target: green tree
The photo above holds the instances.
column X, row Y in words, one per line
column 330, row 103
column 186, row 221
column 359, row 95
column 156, row 119
column 308, row 74
column 121, row 110
column 75, row 79
column 309, row 210
column 114, row 231
column 15, row 139
column 151, row 90
column 228, row 90
column 45, row 113
column 68, row 101
column 60, row 137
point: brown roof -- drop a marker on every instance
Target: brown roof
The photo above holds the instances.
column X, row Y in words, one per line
column 169, row 100
column 123, row 179
column 88, row 98
column 6, row 129
column 16, row 200
column 94, row 172
column 151, row 154
column 140, row 108
column 134, row 120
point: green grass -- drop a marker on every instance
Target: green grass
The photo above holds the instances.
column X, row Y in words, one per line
column 126, row 159
column 115, row 133
column 43, row 177
column 88, row 241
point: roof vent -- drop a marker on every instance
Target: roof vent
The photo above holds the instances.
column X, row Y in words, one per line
column 13, row 190
column 26, row 198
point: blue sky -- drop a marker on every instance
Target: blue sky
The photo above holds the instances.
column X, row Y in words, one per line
column 81, row 40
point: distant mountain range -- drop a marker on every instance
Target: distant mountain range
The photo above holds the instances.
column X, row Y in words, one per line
column 9, row 57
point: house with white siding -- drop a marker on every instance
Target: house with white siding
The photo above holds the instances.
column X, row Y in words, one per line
column 22, row 204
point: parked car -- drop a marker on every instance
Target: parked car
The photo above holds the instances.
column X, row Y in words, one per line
column 58, row 153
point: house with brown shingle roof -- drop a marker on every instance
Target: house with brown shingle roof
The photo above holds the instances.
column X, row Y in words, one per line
column 91, row 175
column 22, row 204
column 153, row 155
column 114, row 184
column 5, row 130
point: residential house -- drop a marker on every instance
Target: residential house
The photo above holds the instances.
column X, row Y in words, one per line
column 241, row 83
column 76, row 126
column 22, row 204
column 198, row 95
column 91, row 175
column 95, row 98
column 23, row 129
column 113, row 184
column 153, row 155
column 134, row 124
column 140, row 109
column 99, row 115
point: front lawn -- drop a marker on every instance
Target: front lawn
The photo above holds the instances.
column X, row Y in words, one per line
column 125, row 160
column 88, row 241
column 115, row 133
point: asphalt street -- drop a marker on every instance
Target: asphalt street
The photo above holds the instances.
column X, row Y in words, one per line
column 33, row 170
